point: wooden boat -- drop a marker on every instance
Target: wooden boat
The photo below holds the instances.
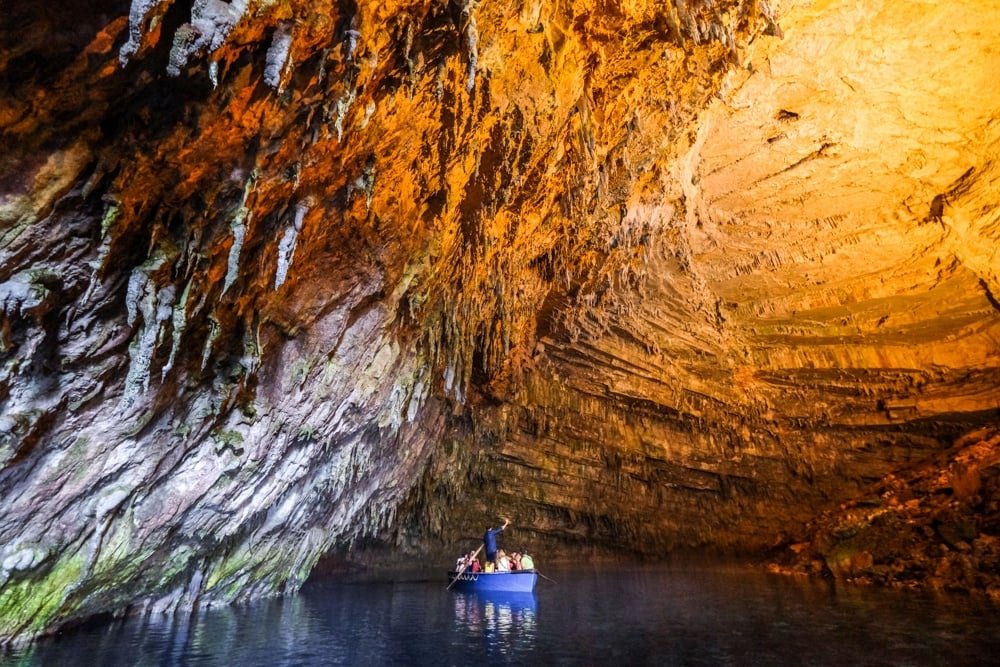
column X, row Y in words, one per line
column 518, row 581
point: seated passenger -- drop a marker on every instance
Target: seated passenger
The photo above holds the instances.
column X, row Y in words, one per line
column 527, row 562
column 476, row 567
column 503, row 562
column 489, row 566
column 515, row 561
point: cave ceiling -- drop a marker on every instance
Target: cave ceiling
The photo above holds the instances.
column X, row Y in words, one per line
column 281, row 278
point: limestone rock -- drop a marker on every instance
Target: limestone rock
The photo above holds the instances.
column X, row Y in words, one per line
column 281, row 279
column 934, row 524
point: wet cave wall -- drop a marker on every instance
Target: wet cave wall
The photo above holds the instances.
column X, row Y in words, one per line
column 280, row 279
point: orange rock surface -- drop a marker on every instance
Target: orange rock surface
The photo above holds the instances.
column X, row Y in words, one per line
column 285, row 278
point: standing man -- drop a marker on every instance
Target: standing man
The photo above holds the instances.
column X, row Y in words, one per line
column 490, row 540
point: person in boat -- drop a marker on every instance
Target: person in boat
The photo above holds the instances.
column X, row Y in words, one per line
column 474, row 563
column 503, row 562
column 515, row 561
column 461, row 563
column 527, row 562
column 490, row 540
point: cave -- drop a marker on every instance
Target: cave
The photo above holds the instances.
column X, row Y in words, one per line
column 290, row 284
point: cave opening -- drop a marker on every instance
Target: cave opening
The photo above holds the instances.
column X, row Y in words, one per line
column 292, row 288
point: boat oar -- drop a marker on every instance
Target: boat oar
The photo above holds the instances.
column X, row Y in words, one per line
column 544, row 577
column 465, row 567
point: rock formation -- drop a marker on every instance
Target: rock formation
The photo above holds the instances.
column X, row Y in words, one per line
column 281, row 278
column 933, row 524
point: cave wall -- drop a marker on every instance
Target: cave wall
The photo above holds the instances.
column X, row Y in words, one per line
column 811, row 300
column 282, row 277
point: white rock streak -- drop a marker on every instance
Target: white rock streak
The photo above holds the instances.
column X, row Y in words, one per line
column 136, row 15
column 277, row 56
column 286, row 247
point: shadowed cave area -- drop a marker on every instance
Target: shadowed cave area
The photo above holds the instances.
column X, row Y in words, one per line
column 286, row 283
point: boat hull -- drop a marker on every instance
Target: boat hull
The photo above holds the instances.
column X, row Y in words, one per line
column 521, row 581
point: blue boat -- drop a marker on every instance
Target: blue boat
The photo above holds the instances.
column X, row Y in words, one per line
column 518, row 581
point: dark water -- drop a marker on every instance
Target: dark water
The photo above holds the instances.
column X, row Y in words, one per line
column 654, row 616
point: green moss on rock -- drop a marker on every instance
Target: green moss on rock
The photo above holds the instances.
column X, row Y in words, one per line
column 34, row 604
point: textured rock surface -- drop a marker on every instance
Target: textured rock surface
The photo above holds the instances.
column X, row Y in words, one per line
column 934, row 524
column 285, row 277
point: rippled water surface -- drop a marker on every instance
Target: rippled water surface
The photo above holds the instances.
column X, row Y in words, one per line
column 662, row 616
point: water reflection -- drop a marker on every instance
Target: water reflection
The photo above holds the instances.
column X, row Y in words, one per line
column 506, row 622
column 244, row 635
column 622, row 616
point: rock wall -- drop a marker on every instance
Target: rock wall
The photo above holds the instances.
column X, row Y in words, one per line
column 933, row 524
column 284, row 277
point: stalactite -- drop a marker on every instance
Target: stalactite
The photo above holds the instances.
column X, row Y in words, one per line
column 286, row 247
column 213, row 73
column 137, row 16
column 214, row 330
column 111, row 215
column 341, row 107
column 239, row 229
column 364, row 183
column 411, row 67
column 156, row 308
column 352, row 37
column 277, row 61
column 211, row 22
column 179, row 322
column 134, row 294
column 471, row 37
column 369, row 112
